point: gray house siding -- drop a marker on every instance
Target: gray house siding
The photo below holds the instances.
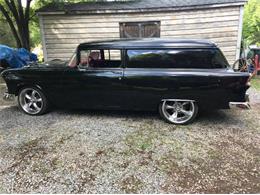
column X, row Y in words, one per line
column 61, row 33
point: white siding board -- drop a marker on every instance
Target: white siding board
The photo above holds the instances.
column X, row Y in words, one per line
column 97, row 36
column 239, row 34
column 169, row 34
column 201, row 31
column 55, row 41
column 164, row 31
column 43, row 38
column 185, row 14
column 80, row 25
column 204, row 36
column 227, row 45
column 139, row 18
column 60, row 55
column 168, row 25
column 63, row 50
column 205, row 27
column 82, row 30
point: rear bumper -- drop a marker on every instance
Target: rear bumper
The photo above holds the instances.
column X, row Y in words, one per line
column 242, row 105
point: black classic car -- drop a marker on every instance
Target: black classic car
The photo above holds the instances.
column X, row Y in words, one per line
column 176, row 77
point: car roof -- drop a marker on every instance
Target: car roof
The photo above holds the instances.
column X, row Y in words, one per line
column 149, row 43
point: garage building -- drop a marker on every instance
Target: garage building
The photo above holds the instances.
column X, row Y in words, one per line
column 64, row 26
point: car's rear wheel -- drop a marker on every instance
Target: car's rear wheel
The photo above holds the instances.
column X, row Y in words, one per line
column 32, row 101
column 179, row 112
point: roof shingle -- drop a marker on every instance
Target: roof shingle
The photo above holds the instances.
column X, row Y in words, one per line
column 133, row 5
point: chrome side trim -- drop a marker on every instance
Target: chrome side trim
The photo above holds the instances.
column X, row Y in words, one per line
column 178, row 100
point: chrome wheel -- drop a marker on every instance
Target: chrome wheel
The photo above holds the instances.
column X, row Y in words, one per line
column 179, row 111
column 31, row 101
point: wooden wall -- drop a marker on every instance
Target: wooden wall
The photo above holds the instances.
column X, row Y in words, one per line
column 62, row 33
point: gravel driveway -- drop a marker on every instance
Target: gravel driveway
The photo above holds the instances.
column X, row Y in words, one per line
column 128, row 152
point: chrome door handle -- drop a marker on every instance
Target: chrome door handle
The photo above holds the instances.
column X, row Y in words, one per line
column 82, row 69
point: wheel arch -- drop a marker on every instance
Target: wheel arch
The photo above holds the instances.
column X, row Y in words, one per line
column 24, row 85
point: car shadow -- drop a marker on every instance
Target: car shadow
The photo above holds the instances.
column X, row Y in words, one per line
column 204, row 117
column 109, row 113
column 227, row 117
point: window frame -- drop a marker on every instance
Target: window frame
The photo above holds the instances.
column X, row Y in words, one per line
column 122, row 64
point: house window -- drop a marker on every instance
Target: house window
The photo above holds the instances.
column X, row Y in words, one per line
column 140, row 29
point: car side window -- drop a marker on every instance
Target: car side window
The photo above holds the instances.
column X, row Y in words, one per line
column 101, row 58
column 176, row 58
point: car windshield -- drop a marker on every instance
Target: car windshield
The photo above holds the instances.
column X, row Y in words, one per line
column 73, row 61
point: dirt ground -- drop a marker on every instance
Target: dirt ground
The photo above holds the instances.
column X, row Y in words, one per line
column 128, row 152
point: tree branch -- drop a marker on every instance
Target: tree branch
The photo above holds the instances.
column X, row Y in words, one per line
column 12, row 7
column 20, row 10
column 31, row 17
column 27, row 11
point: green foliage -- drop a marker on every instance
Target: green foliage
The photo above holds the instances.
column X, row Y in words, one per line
column 5, row 32
column 41, row 3
column 251, row 23
column 255, row 83
column 35, row 35
column 5, row 37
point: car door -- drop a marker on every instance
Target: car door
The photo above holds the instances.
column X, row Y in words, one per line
column 93, row 87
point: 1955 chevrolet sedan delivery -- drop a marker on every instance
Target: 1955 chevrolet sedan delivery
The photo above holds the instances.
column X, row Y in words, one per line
column 176, row 77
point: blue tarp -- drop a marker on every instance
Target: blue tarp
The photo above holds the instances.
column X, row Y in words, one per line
column 16, row 58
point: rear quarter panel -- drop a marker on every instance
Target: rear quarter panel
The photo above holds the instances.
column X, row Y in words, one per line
column 210, row 88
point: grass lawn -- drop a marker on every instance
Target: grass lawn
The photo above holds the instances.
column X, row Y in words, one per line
column 255, row 83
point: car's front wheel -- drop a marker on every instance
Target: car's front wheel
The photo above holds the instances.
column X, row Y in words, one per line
column 179, row 112
column 32, row 101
